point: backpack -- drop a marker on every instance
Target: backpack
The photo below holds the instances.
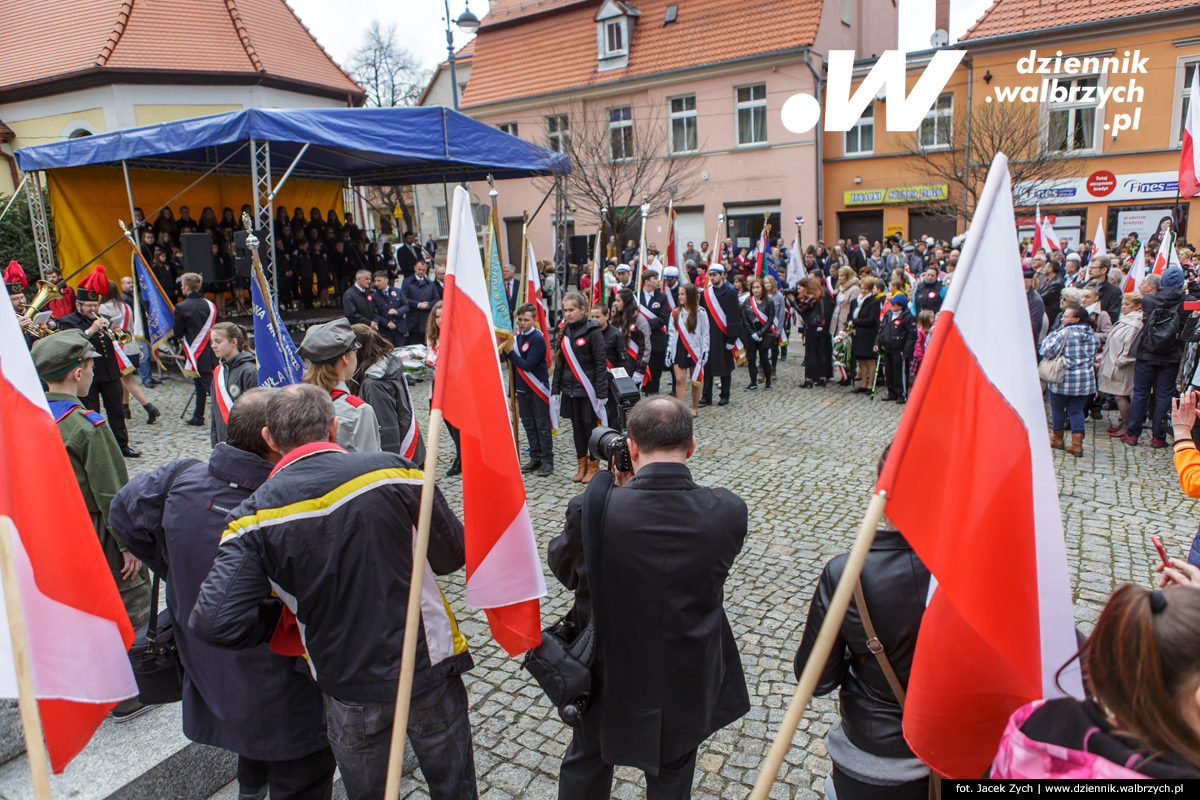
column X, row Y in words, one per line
column 1160, row 333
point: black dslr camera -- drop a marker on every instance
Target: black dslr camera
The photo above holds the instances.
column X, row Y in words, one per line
column 607, row 444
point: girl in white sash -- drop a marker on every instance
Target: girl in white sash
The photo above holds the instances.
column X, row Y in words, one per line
column 687, row 344
column 580, row 378
column 235, row 374
column 381, row 382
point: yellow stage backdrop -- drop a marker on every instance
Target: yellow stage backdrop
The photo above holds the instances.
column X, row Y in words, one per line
column 87, row 203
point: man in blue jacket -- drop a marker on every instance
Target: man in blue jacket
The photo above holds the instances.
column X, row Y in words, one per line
column 391, row 310
column 254, row 702
column 420, row 293
column 527, row 352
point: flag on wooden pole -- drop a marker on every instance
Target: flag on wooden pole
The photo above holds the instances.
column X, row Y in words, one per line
column 504, row 573
column 970, row 484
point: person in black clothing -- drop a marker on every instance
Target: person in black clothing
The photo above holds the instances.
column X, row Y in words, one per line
column 194, row 315
column 1157, row 358
column 614, row 348
column 580, row 378
column 817, row 312
column 358, row 302
column 527, row 352
column 895, row 342
column 408, row 256
column 653, row 300
column 667, row 669
column 928, row 293
column 864, row 325
column 1051, row 287
column 724, row 329
column 302, row 271
column 391, row 309
column 106, row 385
column 343, row 276
column 254, row 702
column 420, row 293
column 758, row 315
column 321, row 271
column 1110, row 295
column 147, row 245
column 870, row 757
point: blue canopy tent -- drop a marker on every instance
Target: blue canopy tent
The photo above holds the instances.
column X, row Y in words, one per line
column 355, row 146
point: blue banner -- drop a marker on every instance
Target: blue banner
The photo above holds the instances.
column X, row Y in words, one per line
column 160, row 314
column 278, row 362
column 501, row 318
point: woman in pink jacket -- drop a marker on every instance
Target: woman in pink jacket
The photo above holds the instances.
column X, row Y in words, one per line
column 1142, row 668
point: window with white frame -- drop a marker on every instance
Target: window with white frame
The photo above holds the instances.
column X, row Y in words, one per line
column 620, row 133
column 1189, row 77
column 614, row 37
column 508, row 127
column 557, row 132
column 1071, row 124
column 938, row 126
column 861, row 138
column 751, row 105
column 443, row 221
column 682, row 113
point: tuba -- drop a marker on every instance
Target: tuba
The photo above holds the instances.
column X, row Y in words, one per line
column 46, row 292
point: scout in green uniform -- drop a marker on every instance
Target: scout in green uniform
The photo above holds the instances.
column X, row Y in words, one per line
column 64, row 361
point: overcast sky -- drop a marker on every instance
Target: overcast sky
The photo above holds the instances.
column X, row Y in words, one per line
column 339, row 24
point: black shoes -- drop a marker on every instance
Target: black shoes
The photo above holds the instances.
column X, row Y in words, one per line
column 861, row 390
column 152, row 413
column 129, row 452
column 455, row 469
column 530, row 465
column 196, row 421
column 545, row 469
column 125, row 410
column 704, row 402
column 724, row 401
column 752, row 387
column 806, row 385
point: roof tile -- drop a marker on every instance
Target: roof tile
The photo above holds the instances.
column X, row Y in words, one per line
column 1007, row 17
column 506, row 66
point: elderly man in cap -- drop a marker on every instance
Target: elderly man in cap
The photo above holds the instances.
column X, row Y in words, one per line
column 330, row 351
column 725, row 330
column 65, row 361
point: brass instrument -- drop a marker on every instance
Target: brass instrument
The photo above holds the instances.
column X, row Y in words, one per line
column 46, row 292
column 119, row 336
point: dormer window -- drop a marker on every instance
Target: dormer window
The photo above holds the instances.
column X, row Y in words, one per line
column 614, row 32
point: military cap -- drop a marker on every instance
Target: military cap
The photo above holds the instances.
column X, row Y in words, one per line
column 716, row 267
column 59, row 353
column 326, row 343
column 94, row 287
column 623, row 268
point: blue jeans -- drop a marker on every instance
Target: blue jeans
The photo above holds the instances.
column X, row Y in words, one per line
column 1063, row 406
column 438, row 728
column 1161, row 379
column 144, row 364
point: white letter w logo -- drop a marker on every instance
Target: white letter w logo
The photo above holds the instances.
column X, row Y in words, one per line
column 904, row 113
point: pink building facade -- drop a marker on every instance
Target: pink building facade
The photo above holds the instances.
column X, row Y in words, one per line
column 714, row 74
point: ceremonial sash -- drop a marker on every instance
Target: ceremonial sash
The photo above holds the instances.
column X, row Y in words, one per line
column 541, row 391
column 573, row 362
column 631, row 347
column 193, row 349
column 671, row 301
column 760, row 316
column 221, row 392
column 697, row 377
column 714, row 309
column 408, row 446
column 649, row 315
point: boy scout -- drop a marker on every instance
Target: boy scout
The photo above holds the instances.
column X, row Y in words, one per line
column 330, row 349
column 64, row 361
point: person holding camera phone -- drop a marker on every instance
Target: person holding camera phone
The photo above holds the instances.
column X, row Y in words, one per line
column 667, row 670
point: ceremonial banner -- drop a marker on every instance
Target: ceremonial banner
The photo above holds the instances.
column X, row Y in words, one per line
column 77, row 628
column 504, row 573
column 501, row 318
column 970, row 481
column 160, row 313
column 278, row 362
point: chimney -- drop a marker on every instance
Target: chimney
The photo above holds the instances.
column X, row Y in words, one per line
column 941, row 16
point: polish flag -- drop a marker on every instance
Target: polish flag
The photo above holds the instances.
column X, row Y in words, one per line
column 504, row 571
column 1133, row 278
column 1167, row 255
column 1044, row 235
column 970, row 483
column 1189, row 157
column 1099, row 246
column 533, row 294
column 77, row 629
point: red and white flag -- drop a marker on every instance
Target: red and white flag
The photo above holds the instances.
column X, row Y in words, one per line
column 533, row 294
column 1167, row 256
column 1043, row 234
column 1189, row 157
column 972, row 445
column 1099, row 246
column 1133, row 278
column 504, row 571
column 78, row 631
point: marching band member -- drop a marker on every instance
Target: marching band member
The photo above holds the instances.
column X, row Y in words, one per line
column 195, row 316
column 627, row 319
column 687, row 344
column 383, row 384
column 331, row 352
column 580, row 378
column 234, row 375
column 15, row 281
column 758, row 314
column 655, row 309
column 721, row 303
column 120, row 318
column 527, row 352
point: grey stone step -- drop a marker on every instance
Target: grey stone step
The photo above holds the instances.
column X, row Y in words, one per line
column 146, row 758
column 408, row 789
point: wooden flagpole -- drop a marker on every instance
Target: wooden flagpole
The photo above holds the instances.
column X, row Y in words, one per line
column 822, row 647
column 412, row 620
column 31, row 720
column 522, row 297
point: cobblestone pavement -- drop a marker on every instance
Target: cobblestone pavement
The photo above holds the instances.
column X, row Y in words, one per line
column 806, row 481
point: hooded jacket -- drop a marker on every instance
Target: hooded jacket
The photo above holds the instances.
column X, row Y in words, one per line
column 385, row 388
column 241, row 374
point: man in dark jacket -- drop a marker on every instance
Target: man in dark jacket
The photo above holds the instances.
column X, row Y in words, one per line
column 667, row 667
column 391, row 309
column 194, row 318
column 1157, row 360
column 653, row 306
column 408, row 255
column 332, row 552
column 720, row 302
column 896, row 341
column 527, row 353
column 867, row 745
column 1037, row 308
column 1110, row 295
column 358, row 302
column 420, row 293
column 1051, row 287
column 254, row 701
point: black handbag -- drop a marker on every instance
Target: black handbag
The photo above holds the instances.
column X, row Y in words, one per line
column 562, row 663
column 154, row 655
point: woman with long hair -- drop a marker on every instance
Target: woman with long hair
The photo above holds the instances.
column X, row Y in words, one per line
column 818, row 344
column 846, row 292
column 380, row 380
column 234, row 375
column 865, row 313
column 433, row 335
column 580, row 378
column 636, row 330
column 687, row 344
column 758, row 316
column 1142, row 716
column 208, row 221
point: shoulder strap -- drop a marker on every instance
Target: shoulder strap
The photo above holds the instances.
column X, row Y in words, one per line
column 152, row 628
column 595, row 507
column 876, row 646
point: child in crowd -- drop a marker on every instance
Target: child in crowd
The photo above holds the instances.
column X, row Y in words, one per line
column 924, row 328
column 527, row 352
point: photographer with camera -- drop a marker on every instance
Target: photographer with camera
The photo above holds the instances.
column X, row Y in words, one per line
column 667, row 673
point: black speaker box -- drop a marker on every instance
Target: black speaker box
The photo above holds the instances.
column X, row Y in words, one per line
column 198, row 255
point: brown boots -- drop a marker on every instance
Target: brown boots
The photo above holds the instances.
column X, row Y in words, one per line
column 1056, row 440
column 579, row 473
column 593, row 466
column 1076, row 448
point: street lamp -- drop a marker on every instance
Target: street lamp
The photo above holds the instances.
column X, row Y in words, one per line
column 467, row 23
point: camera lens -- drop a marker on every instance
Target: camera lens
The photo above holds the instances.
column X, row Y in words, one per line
column 600, row 444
